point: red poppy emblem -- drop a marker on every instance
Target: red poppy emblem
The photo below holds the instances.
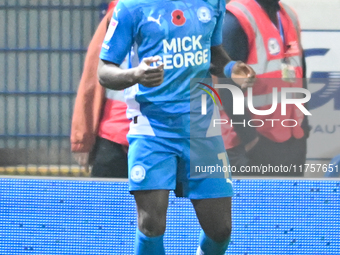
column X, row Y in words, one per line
column 178, row 18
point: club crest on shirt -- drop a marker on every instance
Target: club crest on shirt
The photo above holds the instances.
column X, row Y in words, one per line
column 273, row 46
column 203, row 14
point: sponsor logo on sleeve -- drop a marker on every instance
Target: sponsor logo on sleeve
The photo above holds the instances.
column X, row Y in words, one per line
column 112, row 27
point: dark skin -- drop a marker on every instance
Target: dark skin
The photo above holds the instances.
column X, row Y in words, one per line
column 111, row 76
column 214, row 215
column 271, row 7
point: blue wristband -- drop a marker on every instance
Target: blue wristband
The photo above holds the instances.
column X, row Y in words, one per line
column 228, row 68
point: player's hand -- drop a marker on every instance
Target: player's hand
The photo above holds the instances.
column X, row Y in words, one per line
column 82, row 159
column 150, row 76
column 243, row 75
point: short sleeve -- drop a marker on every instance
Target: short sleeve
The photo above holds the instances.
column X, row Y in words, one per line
column 119, row 37
column 216, row 38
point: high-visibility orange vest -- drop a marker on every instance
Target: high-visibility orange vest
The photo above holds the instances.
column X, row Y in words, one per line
column 266, row 54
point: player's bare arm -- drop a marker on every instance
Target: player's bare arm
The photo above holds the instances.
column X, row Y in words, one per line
column 219, row 58
column 242, row 74
column 111, row 76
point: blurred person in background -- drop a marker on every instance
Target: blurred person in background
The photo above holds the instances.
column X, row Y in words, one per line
column 266, row 35
column 99, row 123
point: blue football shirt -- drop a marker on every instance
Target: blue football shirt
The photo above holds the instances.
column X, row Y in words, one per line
column 181, row 34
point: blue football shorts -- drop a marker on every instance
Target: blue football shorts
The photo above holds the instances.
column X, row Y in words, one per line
column 196, row 168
